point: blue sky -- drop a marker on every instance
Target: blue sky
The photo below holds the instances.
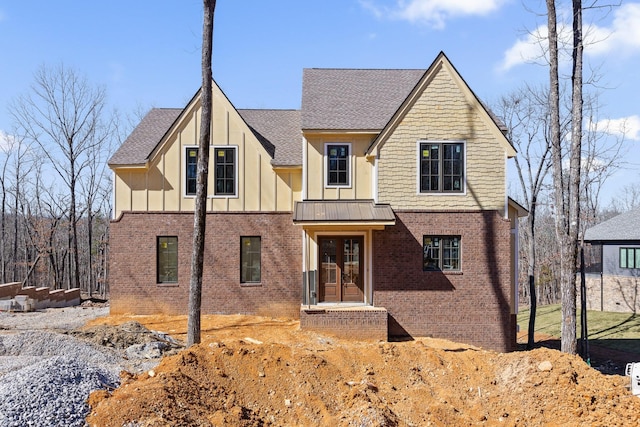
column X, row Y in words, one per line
column 147, row 53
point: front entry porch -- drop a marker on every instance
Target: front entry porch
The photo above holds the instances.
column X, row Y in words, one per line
column 337, row 260
column 361, row 322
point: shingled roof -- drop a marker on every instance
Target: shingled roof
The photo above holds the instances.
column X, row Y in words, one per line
column 332, row 99
column 135, row 150
column 623, row 227
column 279, row 129
column 353, row 99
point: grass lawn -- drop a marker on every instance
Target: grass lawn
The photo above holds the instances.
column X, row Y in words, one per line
column 619, row 331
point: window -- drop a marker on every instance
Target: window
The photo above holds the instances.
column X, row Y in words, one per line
column 629, row 257
column 192, row 171
column 225, row 170
column 337, row 165
column 250, row 259
column 167, row 259
column 441, row 253
column 441, row 167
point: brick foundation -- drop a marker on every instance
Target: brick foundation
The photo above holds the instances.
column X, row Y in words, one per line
column 133, row 287
column 366, row 323
column 471, row 306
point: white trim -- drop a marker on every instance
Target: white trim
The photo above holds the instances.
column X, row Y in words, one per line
column 235, row 195
column 304, row 168
column 374, row 179
column 464, row 166
column 350, row 163
column 113, row 194
column 506, row 189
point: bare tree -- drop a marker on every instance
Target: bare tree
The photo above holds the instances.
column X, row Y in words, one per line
column 627, row 198
column 567, row 188
column 200, row 217
column 63, row 115
column 526, row 114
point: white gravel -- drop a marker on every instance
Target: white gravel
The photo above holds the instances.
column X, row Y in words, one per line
column 45, row 375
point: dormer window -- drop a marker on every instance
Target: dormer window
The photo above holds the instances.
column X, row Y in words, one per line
column 338, row 172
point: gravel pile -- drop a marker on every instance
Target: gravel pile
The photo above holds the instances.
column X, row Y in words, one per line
column 46, row 375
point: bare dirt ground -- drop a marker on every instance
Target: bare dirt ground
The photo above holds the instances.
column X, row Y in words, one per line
column 253, row 371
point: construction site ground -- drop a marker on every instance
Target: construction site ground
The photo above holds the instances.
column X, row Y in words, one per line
column 256, row 371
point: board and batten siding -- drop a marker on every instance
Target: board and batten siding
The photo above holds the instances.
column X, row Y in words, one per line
column 361, row 168
column 443, row 112
column 161, row 186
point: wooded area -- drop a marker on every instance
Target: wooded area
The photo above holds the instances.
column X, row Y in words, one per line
column 55, row 185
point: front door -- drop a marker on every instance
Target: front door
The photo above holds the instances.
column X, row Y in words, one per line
column 341, row 278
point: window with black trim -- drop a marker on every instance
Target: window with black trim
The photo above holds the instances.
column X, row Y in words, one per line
column 338, row 164
column 441, row 253
column 250, row 248
column 167, row 259
column 629, row 257
column 441, row 167
column 225, row 171
column 191, row 171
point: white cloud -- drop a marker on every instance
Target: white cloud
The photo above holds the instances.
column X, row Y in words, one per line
column 627, row 127
column 6, row 141
column 623, row 36
column 434, row 13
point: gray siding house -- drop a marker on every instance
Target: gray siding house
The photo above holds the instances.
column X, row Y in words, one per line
column 614, row 285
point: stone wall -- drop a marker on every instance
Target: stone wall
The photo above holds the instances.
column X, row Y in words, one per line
column 612, row 293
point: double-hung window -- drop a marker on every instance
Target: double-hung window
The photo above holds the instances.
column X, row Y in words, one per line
column 191, row 171
column 441, row 166
column 167, row 259
column 225, row 167
column 337, row 167
column 629, row 257
column 441, row 253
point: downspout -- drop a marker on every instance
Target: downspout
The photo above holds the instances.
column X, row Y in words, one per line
column 308, row 261
column 113, row 194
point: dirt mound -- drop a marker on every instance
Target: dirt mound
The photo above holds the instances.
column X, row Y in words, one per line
column 133, row 337
column 254, row 372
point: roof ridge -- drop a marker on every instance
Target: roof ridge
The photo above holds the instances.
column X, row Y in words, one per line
column 364, row 69
column 268, row 109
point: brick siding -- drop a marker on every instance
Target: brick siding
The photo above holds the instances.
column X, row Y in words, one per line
column 472, row 305
column 366, row 323
column 133, row 287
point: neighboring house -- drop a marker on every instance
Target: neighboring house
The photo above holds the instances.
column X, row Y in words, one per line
column 379, row 209
column 614, row 283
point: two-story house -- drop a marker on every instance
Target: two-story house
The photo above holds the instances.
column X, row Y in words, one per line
column 377, row 210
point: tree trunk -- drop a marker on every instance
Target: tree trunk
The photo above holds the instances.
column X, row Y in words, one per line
column 14, row 277
column 568, row 288
column 200, row 217
column 533, row 297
